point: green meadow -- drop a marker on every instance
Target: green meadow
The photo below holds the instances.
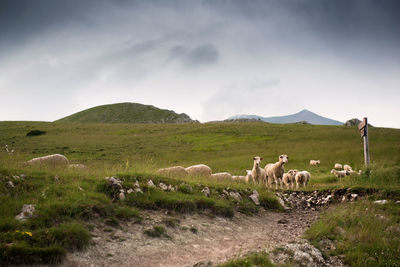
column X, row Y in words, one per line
column 68, row 200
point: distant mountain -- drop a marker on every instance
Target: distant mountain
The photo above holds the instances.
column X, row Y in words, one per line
column 127, row 113
column 304, row 116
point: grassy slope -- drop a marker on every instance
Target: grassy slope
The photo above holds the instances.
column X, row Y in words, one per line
column 63, row 208
column 125, row 113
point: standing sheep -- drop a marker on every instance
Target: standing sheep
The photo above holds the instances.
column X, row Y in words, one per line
column 302, row 178
column 314, row 162
column 338, row 166
column 288, row 178
column 339, row 174
column 258, row 174
column 276, row 170
column 199, row 170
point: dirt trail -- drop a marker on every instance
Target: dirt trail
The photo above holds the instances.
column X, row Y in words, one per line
column 217, row 239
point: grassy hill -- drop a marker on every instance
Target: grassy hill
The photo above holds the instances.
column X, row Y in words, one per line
column 127, row 113
column 68, row 200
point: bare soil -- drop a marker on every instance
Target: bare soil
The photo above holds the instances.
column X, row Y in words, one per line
column 217, row 239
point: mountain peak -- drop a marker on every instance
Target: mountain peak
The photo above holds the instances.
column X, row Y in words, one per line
column 304, row 115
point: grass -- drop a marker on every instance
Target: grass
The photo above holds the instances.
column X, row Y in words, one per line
column 260, row 259
column 157, row 231
column 366, row 234
column 67, row 200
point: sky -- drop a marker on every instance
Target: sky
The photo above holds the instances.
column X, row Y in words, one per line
column 209, row 59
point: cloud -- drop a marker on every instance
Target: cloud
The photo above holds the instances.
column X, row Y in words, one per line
column 201, row 55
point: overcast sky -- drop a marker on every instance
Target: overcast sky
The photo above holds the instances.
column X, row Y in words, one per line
column 208, row 59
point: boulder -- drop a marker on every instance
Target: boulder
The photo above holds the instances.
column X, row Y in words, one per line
column 26, row 212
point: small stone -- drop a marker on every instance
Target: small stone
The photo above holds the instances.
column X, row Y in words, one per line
column 283, row 221
column 163, row 186
column 137, row 185
column 255, row 199
column 380, row 202
column 397, row 202
column 150, row 184
column 353, row 197
column 225, row 192
column 121, row 196
column 206, row 191
column 256, row 193
column 27, row 212
column 235, row 195
column 138, row 190
column 10, row 184
column 130, row 191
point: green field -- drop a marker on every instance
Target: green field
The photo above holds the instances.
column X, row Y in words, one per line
column 67, row 200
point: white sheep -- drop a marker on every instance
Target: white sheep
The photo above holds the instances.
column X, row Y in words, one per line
column 222, row 175
column 338, row 166
column 302, row 178
column 77, row 166
column 257, row 173
column 248, row 176
column 174, row 171
column 199, row 170
column 314, row 162
column 276, row 170
column 339, row 174
column 288, row 178
column 347, row 168
column 50, row 160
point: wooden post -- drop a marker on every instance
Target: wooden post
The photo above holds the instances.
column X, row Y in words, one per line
column 363, row 127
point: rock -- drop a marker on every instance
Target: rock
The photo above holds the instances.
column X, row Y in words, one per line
column 381, row 202
column 121, row 196
column 171, row 188
column 254, row 198
column 283, row 221
column 256, row 193
column 138, row 190
column 283, row 204
column 130, row 191
column 163, row 186
column 10, row 184
column 353, row 197
column 136, row 184
column 300, row 253
column 150, row 184
column 397, row 202
column 115, row 182
column 206, row 191
column 26, row 213
column 203, row 264
column 225, row 192
column 235, row 195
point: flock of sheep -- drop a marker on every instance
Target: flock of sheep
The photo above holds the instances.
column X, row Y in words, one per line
column 273, row 174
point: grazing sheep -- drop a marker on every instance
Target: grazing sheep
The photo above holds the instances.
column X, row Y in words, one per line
column 288, row 178
column 302, row 178
column 276, row 170
column 257, row 173
column 222, row 175
column 175, row 171
column 347, row 168
column 238, row 177
column 50, row 160
column 339, row 174
column 199, row 170
column 338, row 166
column 314, row 162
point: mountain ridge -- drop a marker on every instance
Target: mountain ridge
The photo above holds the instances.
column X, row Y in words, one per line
column 302, row 116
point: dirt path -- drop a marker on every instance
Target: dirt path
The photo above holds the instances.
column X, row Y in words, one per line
column 217, row 239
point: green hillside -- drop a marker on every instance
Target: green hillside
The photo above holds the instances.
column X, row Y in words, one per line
column 70, row 202
column 127, row 113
